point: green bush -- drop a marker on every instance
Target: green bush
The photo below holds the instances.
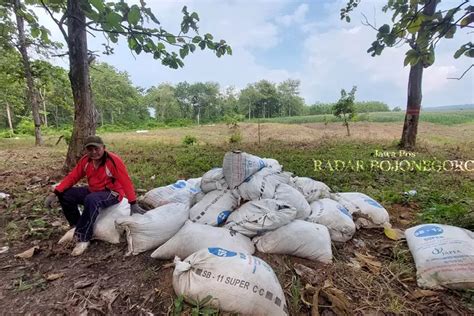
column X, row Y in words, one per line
column 67, row 136
column 361, row 117
column 26, row 127
column 154, row 124
column 233, row 119
column 113, row 128
column 189, row 140
column 179, row 122
column 6, row 134
column 235, row 138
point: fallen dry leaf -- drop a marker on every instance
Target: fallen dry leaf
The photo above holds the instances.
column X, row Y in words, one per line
column 315, row 303
column 393, row 233
column 83, row 283
column 109, row 295
column 27, row 253
column 369, row 262
column 423, row 293
column 54, row 276
column 354, row 264
column 339, row 302
column 308, row 275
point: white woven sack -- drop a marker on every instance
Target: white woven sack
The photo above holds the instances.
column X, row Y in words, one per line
column 193, row 236
column 181, row 191
column 272, row 163
column 236, row 282
column 444, row 256
column 213, row 180
column 214, row 208
column 238, row 166
column 312, row 190
column 367, row 211
column 335, row 217
column 104, row 226
column 291, row 196
column 298, row 238
column 150, row 230
column 257, row 217
column 262, row 184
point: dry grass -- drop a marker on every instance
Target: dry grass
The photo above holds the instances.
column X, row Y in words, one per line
column 216, row 134
column 429, row 134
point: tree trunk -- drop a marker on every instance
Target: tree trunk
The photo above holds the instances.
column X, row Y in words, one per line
column 43, row 99
column 84, row 114
column 347, row 128
column 30, row 88
column 412, row 114
column 56, row 116
column 9, row 117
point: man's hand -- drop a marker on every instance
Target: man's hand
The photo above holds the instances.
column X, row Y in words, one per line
column 136, row 209
column 50, row 199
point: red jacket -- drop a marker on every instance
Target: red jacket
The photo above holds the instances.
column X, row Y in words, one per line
column 110, row 175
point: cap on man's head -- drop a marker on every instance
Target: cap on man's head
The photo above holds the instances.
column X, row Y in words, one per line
column 93, row 141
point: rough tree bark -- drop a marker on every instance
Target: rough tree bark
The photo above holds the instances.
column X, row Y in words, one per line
column 84, row 113
column 30, row 87
column 412, row 114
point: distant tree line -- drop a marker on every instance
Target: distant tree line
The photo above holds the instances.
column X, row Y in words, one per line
column 119, row 102
column 360, row 107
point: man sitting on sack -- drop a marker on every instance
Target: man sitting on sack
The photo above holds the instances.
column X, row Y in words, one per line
column 108, row 182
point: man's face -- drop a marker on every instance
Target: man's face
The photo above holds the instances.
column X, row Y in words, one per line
column 95, row 152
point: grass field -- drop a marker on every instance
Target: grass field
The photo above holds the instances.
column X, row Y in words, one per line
column 158, row 157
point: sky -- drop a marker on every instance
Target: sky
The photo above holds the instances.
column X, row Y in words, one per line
column 305, row 40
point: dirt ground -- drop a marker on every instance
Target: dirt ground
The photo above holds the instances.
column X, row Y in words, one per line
column 371, row 274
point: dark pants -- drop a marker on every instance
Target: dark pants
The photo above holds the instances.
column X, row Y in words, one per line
column 92, row 201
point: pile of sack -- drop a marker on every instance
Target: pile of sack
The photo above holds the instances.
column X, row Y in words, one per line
column 215, row 222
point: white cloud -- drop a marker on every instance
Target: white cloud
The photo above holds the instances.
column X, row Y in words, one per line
column 297, row 17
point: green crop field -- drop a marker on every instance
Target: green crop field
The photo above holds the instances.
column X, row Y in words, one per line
column 445, row 118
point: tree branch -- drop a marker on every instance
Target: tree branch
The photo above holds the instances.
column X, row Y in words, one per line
column 58, row 22
column 135, row 32
column 61, row 55
column 367, row 23
column 465, row 72
column 436, row 39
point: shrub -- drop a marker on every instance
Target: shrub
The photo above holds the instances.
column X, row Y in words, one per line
column 189, row 140
column 178, row 122
column 26, row 127
column 235, row 138
column 6, row 134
